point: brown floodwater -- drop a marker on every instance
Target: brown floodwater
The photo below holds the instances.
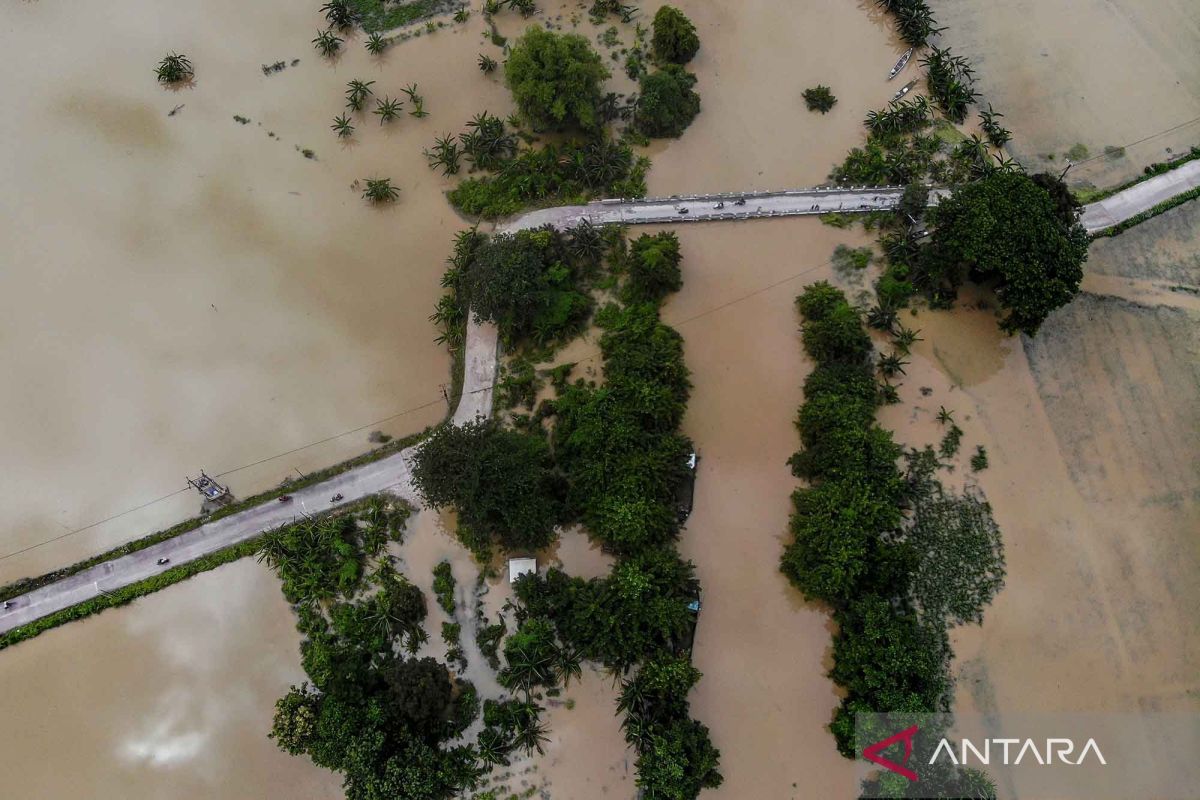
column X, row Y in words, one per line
column 170, row 697
column 185, row 292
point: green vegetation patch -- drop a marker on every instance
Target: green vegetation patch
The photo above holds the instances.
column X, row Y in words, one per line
column 383, row 15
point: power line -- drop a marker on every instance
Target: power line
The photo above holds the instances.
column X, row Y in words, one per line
column 397, row 415
column 1144, row 139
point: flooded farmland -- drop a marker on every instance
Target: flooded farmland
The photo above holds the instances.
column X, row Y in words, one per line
column 186, row 292
column 1112, row 84
column 189, row 291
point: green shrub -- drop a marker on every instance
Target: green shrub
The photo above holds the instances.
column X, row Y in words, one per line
column 819, row 98
column 556, row 79
column 667, row 104
column 674, row 36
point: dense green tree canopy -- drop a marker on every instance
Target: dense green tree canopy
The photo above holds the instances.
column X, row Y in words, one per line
column 500, row 481
column 1007, row 232
column 667, row 103
column 556, row 79
column 525, row 283
column 674, row 38
column 653, row 268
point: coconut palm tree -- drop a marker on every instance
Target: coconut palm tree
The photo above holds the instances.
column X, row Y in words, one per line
column 328, row 43
column 380, row 190
column 528, row 730
column 888, row 394
column 487, row 64
column 881, row 317
column 493, row 747
column 586, row 242
column 567, row 664
column 945, row 416
column 357, row 93
column 445, row 154
column 417, row 100
column 905, row 338
column 996, row 133
column 339, row 14
column 341, row 124
column 891, row 365
column 174, row 68
column 376, row 43
column 387, row 109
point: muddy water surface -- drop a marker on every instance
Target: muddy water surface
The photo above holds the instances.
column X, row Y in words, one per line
column 170, row 697
column 186, row 291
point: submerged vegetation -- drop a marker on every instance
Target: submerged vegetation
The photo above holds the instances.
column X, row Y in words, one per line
column 894, row 556
column 383, row 720
column 819, row 98
column 174, row 68
column 609, row 456
column 557, row 82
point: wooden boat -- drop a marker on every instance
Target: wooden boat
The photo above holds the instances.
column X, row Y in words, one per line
column 901, row 64
column 905, row 89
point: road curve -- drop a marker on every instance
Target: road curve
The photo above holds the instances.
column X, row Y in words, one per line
column 392, row 474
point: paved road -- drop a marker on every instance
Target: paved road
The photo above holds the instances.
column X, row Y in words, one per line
column 704, row 208
column 1140, row 197
column 392, row 474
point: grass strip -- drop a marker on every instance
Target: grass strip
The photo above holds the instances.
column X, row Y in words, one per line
column 24, row 585
column 1137, row 219
column 378, row 15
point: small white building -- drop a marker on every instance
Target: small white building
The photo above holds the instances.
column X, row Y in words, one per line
column 519, row 566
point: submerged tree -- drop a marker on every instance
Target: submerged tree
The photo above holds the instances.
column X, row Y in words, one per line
column 380, row 190
column 357, row 93
column 667, row 104
column 555, row 79
column 343, row 127
column 1007, row 232
column 674, row 38
column 819, row 98
column 328, row 43
column 174, row 68
column 487, row 64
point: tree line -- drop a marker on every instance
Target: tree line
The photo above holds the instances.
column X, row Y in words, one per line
column 895, row 557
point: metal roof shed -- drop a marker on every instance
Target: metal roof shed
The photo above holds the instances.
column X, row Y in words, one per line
column 519, row 566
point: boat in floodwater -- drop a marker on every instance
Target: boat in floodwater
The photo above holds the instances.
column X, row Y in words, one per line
column 901, row 64
column 905, row 89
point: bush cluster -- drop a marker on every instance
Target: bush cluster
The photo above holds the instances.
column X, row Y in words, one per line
column 383, row 720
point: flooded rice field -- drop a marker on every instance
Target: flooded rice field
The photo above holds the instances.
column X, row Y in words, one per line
column 1079, row 76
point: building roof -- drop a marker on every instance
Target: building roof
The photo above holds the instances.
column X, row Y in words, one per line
column 519, row 566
